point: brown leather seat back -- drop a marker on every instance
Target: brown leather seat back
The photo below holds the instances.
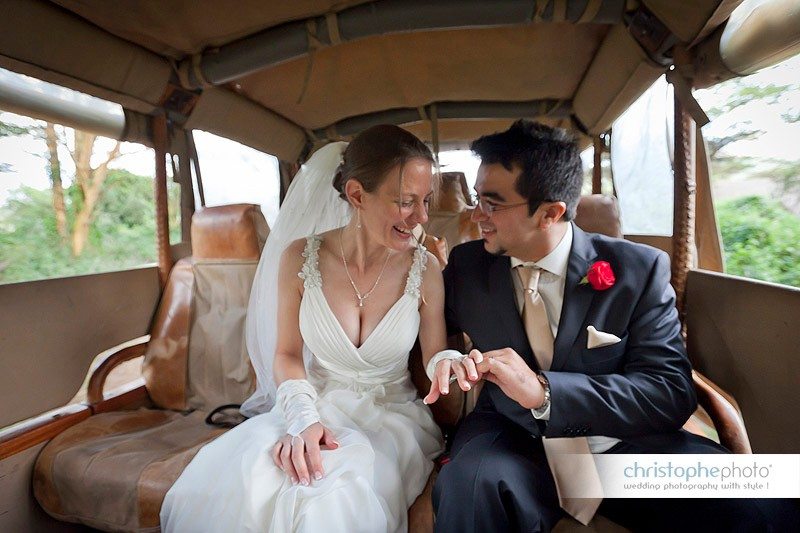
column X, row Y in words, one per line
column 197, row 356
column 233, row 232
column 450, row 217
column 598, row 213
column 453, row 193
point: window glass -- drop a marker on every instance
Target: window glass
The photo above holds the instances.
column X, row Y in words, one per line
column 460, row 161
column 755, row 170
column 587, row 160
column 74, row 203
column 467, row 162
column 641, row 162
column 233, row 173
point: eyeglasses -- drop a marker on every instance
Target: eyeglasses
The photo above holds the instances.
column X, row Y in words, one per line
column 488, row 209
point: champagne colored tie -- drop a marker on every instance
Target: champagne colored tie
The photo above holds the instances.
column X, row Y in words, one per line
column 570, row 460
column 534, row 314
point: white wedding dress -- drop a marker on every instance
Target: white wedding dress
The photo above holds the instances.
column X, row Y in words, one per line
column 387, row 436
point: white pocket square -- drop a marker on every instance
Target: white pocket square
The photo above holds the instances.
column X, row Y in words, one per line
column 598, row 339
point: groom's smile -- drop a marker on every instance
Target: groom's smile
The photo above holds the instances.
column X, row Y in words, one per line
column 501, row 212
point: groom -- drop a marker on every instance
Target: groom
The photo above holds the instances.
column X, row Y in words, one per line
column 602, row 363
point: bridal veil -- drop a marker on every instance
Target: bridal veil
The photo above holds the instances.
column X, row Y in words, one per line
column 311, row 206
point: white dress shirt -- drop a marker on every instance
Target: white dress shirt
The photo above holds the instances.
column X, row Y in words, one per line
column 551, row 289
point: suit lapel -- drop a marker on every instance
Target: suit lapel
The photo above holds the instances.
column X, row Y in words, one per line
column 577, row 298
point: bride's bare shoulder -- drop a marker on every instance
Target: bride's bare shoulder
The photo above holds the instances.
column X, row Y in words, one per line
column 293, row 254
column 330, row 243
column 292, row 260
column 329, row 235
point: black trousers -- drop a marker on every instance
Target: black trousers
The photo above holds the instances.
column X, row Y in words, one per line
column 498, row 480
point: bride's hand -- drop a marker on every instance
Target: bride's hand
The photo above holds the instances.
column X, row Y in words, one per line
column 300, row 457
column 464, row 371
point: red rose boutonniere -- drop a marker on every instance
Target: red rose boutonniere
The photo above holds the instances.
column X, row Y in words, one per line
column 599, row 276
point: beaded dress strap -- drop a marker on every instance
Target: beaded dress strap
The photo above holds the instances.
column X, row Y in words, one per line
column 310, row 271
column 415, row 273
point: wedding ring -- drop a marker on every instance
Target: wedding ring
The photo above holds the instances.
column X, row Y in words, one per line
column 453, row 378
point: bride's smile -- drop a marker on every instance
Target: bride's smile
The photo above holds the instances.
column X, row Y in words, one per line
column 399, row 204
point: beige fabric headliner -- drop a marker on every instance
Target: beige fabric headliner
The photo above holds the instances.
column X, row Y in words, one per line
column 124, row 53
column 211, row 23
column 687, row 19
column 469, row 129
column 56, row 44
column 224, row 113
column 203, row 23
column 415, row 69
column 632, row 74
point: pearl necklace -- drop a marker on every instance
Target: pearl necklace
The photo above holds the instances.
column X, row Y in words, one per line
column 367, row 294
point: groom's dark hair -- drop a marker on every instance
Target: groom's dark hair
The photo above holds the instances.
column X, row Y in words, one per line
column 548, row 158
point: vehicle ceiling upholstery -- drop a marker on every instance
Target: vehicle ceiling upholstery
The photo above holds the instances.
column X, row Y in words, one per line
column 575, row 74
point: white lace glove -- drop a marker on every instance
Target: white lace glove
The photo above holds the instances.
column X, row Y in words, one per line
column 296, row 398
column 430, row 369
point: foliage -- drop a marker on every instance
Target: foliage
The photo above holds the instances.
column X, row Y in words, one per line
column 7, row 130
column 787, row 175
column 733, row 134
column 743, row 93
column 761, row 240
column 122, row 234
column 11, row 129
column 726, row 167
column 761, row 235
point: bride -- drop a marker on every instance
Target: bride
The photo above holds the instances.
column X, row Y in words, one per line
column 347, row 446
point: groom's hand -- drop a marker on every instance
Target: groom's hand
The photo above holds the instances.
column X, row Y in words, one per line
column 465, row 372
column 506, row 369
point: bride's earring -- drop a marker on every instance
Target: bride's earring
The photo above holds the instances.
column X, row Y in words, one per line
column 358, row 219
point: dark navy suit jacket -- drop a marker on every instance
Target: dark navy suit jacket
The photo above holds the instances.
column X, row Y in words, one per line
column 640, row 386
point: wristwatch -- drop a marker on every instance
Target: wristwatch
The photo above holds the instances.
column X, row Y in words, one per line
column 546, row 386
